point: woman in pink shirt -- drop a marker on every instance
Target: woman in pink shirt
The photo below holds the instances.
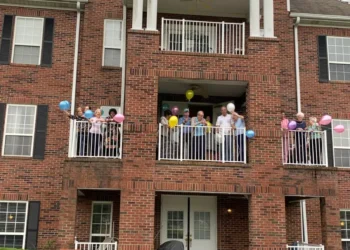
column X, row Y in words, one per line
column 95, row 134
column 284, row 129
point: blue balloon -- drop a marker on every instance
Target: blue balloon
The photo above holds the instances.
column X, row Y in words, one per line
column 88, row 114
column 64, row 105
column 250, row 134
column 68, row 104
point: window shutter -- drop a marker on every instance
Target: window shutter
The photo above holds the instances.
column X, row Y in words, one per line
column 46, row 58
column 40, row 132
column 323, row 59
column 329, row 145
column 6, row 40
column 32, row 225
column 2, row 120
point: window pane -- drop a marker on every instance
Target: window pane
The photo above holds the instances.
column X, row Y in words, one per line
column 26, row 54
column 175, row 225
column 101, row 219
column 202, row 225
column 112, row 57
column 339, row 72
column 113, row 34
column 20, row 119
column 29, row 31
column 18, row 145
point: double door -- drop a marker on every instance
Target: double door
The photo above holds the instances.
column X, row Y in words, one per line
column 191, row 220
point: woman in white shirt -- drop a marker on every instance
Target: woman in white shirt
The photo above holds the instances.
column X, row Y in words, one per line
column 95, row 134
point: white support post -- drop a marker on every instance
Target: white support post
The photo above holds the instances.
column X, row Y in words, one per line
column 183, row 34
column 159, row 140
column 152, row 9
column 181, row 142
column 268, row 19
column 223, row 38
column 254, row 18
column 137, row 14
column 243, row 39
column 223, row 144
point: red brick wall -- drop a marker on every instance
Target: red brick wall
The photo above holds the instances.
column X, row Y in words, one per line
column 293, row 221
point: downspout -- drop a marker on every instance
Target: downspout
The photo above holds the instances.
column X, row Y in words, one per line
column 74, row 83
column 297, row 73
column 304, row 231
column 122, row 98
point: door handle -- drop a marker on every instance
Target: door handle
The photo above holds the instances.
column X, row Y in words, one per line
column 188, row 240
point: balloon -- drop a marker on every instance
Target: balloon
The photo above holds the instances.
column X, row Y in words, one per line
column 173, row 121
column 118, row 118
column 64, row 105
column 88, row 114
column 250, row 134
column 339, row 129
column 165, row 106
column 292, row 125
column 189, row 94
column 175, row 110
column 326, row 120
column 231, row 107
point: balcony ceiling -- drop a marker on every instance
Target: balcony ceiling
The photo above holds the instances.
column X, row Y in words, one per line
column 220, row 8
column 213, row 88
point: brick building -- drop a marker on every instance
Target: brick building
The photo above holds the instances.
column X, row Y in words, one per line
column 62, row 186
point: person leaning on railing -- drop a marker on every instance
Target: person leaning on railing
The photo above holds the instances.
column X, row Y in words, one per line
column 165, row 133
column 112, row 135
column 185, row 121
column 95, row 134
column 199, row 142
column 239, row 125
column 300, row 139
column 315, row 141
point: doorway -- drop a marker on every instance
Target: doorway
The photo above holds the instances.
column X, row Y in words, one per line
column 191, row 220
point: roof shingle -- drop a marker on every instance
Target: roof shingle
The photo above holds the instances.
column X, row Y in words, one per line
column 323, row 7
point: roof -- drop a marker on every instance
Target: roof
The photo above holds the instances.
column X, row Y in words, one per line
column 321, row 7
column 46, row 4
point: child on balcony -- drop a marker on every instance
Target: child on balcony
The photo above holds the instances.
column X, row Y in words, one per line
column 95, row 134
column 315, row 141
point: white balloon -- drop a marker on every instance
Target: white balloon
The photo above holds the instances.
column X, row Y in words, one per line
column 231, row 107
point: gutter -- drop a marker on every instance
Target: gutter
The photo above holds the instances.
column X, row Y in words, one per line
column 122, row 98
column 320, row 16
column 297, row 66
column 74, row 83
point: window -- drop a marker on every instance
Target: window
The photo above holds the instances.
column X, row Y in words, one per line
column 341, row 144
column 339, row 58
column 175, row 225
column 28, row 38
column 101, row 223
column 112, row 43
column 19, row 130
column 345, row 228
column 202, row 225
column 13, row 219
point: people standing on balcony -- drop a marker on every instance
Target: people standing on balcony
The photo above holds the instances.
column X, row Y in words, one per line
column 300, row 140
column 95, row 134
column 239, row 125
column 210, row 139
column 199, row 141
column 165, row 135
column 224, row 122
column 82, row 129
column 112, row 135
column 315, row 141
column 285, row 136
column 185, row 121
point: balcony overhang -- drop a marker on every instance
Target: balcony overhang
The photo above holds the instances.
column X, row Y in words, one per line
column 320, row 20
column 68, row 5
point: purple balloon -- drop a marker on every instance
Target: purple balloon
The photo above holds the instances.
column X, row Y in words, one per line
column 175, row 110
column 292, row 125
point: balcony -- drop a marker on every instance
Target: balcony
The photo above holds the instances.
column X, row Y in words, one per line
column 305, row 148
column 204, row 143
column 305, row 247
column 96, row 141
column 95, row 246
column 203, row 37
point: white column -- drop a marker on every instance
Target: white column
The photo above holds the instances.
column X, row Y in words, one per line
column 137, row 14
column 268, row 19
column 152, row 9
column 254, row 17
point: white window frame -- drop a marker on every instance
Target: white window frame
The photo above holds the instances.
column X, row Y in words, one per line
column 344, row 210
column 92, row 215
column 337, row 147
column 25, row 221
column 28, row 135
column 22, row 44
column 333, row 62
column 108, row 47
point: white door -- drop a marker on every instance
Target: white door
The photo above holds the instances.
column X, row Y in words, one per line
column 203, row 218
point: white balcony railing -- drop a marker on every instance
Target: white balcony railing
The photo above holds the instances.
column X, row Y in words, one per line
column 203, row 37
column 305, row 148
column 96, row 140
column 306, row 247
column 95, row 246
column 190, row 143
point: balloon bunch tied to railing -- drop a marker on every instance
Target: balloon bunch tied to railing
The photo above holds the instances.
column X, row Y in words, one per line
column 173, row 121
column 88, row 114
column 325, row 121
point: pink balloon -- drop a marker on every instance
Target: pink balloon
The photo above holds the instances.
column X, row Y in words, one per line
column 118, row 118
column 339, row 129
column 292, row 125
column 175, row 110
column 326, row 120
